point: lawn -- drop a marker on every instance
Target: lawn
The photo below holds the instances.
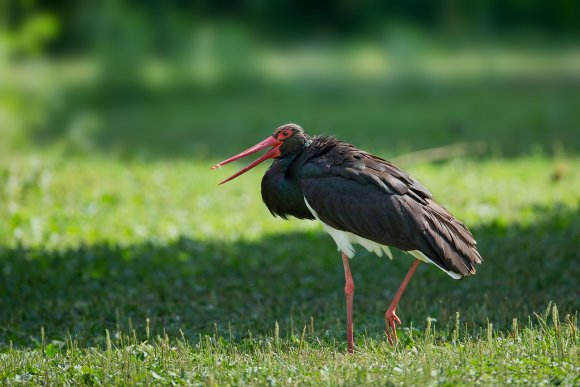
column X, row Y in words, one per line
column 123, row 262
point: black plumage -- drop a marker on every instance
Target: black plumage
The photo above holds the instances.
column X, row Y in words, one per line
column 354, row 191
column 360, row 198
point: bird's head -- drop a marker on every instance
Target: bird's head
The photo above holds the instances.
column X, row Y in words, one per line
column 286, row 140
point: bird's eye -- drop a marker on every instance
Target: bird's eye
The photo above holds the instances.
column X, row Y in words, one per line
column 283, row 134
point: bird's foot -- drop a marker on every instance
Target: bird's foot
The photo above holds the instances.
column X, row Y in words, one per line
column 391, row 320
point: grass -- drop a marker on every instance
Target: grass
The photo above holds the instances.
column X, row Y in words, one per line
column 123, row 262
column 530, row 355
column 204, row 286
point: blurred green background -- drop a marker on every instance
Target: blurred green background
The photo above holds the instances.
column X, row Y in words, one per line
column 111, row 113
column 167, row 79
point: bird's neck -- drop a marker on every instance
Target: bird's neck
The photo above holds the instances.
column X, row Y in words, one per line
column 281, row 189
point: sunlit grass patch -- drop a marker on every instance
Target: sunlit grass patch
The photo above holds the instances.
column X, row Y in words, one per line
column 149, row 272
column 543, row 351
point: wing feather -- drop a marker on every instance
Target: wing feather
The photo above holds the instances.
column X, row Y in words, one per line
column 353, row 191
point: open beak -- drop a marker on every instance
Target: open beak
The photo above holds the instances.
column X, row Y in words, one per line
column 272, row 153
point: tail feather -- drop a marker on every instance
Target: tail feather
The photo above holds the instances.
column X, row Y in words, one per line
column 446, row 241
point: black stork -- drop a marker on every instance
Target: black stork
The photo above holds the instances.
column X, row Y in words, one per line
column 360, row 198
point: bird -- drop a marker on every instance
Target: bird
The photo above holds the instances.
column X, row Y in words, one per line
column 360, row 199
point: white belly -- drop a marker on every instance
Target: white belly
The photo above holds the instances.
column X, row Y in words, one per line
column 344, row 241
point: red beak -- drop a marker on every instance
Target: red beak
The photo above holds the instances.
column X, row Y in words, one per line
column 272, row 153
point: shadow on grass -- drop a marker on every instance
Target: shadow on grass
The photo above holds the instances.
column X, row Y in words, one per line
column 248, row 286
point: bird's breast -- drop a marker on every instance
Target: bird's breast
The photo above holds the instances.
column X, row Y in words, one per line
column 283, row 195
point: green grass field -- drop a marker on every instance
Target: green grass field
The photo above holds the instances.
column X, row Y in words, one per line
column 123, row 262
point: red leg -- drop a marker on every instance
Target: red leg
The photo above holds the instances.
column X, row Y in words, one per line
column 390, row 317
column 349, row 293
